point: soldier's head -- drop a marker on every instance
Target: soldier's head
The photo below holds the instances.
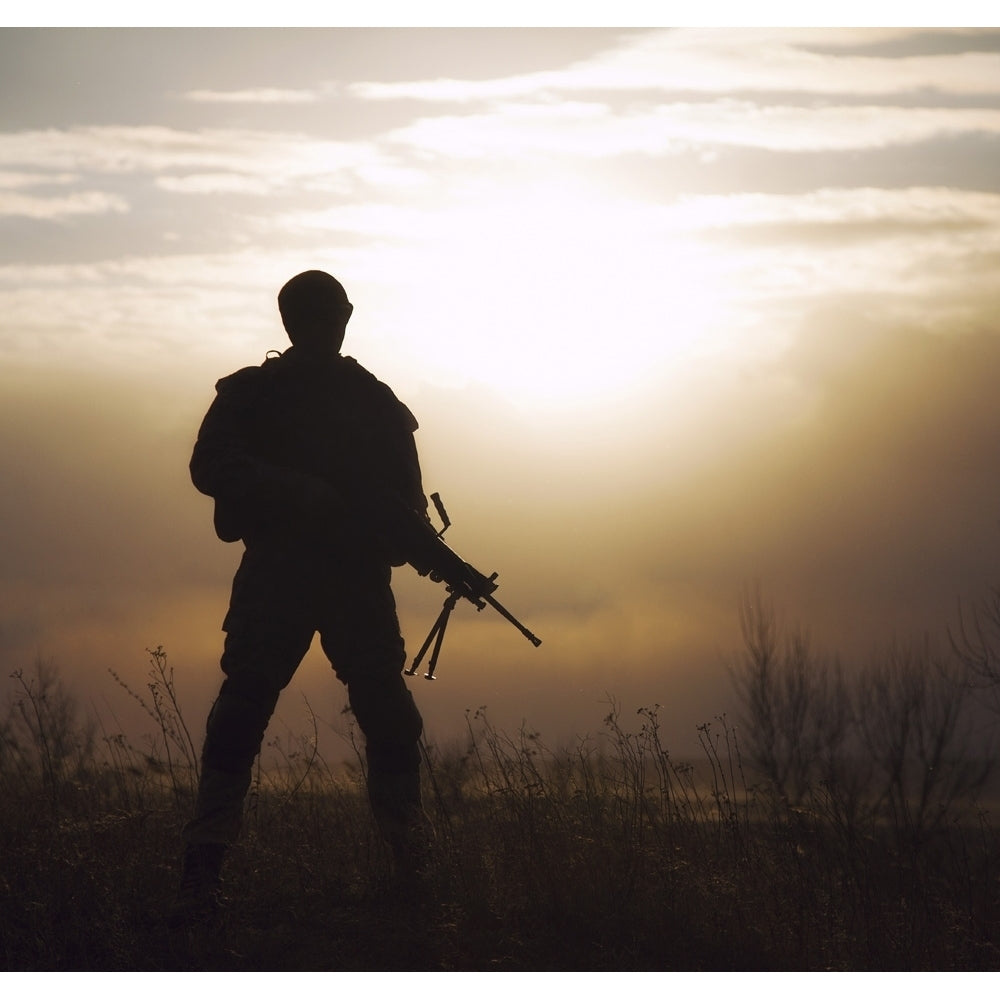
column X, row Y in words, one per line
column 314, row 310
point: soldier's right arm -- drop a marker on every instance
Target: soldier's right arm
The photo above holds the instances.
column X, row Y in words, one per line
column 251, row 490
column 223, row 462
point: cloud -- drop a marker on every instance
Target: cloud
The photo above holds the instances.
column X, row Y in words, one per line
column 261, row 95
column 154, row 149
column 783, row 93
column 595, row 131
column 553, row 208
column 795, row 60
column 12, row 180
column 918, row 206
column 728, row 60
column 143, row 314
column 56, row 208
column 216, row 183
column 722, row 276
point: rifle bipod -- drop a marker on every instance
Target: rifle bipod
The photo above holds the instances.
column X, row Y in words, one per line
column 432, row 557
column 436, row 635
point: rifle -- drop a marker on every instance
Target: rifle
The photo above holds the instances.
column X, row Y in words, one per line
column 430, row 556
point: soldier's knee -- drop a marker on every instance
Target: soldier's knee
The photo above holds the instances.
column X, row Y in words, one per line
column 386, row 711
column 391, row 759
column 237, row 721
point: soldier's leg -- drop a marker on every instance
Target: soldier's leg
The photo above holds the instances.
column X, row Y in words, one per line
column 361, row 636
column 235, row 730
column 268, row 632
column 392, row 725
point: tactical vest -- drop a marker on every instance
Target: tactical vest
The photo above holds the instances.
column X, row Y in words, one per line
column 331, row 420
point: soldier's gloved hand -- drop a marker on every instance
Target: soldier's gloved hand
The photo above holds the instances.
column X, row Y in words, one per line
column 462, row 577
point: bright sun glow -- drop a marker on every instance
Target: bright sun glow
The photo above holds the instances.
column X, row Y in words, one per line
column 554, row 298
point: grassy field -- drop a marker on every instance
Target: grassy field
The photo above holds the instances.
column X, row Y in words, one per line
column 605, row 856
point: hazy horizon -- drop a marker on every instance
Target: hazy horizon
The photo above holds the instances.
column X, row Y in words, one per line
column 679, row 311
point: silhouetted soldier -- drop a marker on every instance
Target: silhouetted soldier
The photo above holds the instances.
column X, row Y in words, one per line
column 304, row 455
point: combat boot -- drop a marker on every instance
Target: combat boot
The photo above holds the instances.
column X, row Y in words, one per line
column 199, row 897
column 407, row 829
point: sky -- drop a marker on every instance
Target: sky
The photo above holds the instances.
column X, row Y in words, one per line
column 681, row 312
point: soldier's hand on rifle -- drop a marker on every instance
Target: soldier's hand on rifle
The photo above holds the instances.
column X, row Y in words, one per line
column 465, row 580
column 430, row 556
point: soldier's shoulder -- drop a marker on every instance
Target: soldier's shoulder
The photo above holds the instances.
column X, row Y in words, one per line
column 246, row 379
column 386, row 398
column 352, row 368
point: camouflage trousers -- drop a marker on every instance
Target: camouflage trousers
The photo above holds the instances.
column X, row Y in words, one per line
column 281, row 598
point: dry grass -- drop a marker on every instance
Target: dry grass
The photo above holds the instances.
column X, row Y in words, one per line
column 608, row 855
